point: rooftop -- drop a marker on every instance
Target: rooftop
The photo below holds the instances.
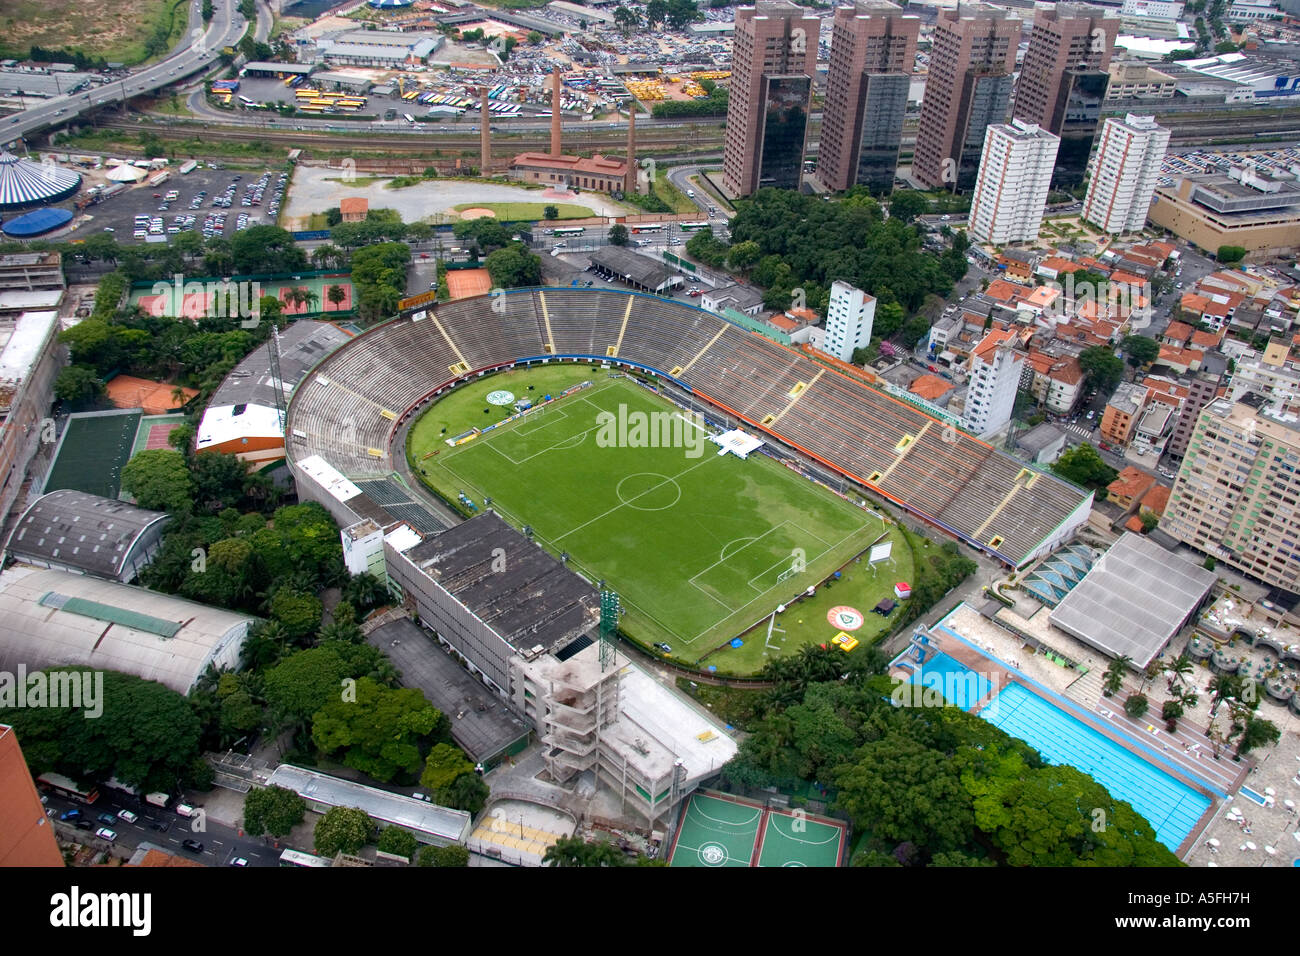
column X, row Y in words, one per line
column 79, row 530
column 1134, row 600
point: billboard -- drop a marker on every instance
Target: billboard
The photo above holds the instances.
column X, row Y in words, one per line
column 880, row 552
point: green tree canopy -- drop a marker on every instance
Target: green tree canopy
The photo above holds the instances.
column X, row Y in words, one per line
column 159, row 479
column 453, row 855
column 514, row 267
column 272, row 810
column 445, row 763
column 1140, row 349
column 1101, row 368
column 618, row 234
column 1083, row 466
column 342, row 830
column 574, row 851
column 398, row 841
column 378, row 734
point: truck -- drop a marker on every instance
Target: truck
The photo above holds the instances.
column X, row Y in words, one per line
column 188, row 167
column 160, row 178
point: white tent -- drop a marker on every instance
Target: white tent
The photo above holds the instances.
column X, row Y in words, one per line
column 126, row 173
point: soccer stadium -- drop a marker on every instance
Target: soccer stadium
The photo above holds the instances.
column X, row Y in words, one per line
column 352, row 411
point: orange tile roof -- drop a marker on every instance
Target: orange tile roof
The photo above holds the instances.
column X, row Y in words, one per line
column 1126, row 278
column 1157, row 499
column 1179, row 331
column 1208, row 340
column 1172, row 355
column 1043, row 296
column 1131, row 483
column 991, row 341
column 1194, row 301
column 930, row 387
column 1134, row 524
column 596, row 164
column 1005, row 291
column 1068, row 372
column 1060, row 264
column 803, row 315
column 127, row 391
column 1164, row 248
column 781, row 322
column 353, row 204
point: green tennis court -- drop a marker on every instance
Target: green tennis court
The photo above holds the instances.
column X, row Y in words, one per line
column 716, row 831
column 794, row 839
column 92, row 451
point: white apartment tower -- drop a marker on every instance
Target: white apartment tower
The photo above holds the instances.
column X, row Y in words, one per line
column 850, row 314
column 1125, row 172
column 995, row 367
column 1012, row 184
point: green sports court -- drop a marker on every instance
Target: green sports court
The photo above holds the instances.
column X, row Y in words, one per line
column 718, row 829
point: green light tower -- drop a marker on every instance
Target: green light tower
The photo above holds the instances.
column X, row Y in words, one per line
column 610, row 609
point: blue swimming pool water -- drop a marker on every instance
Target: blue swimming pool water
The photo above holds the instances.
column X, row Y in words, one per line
column 962, row 686
column 1170, row 806
column 1250, row 794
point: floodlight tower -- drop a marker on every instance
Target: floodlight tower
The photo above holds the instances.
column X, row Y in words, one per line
column 610, row 608
column 277, row 380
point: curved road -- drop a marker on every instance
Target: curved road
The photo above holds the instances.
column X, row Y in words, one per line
column 197, row 51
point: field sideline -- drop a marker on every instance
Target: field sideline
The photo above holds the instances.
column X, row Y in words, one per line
column 693, row 542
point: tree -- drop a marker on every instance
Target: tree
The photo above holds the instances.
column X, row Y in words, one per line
column 272, row 810
column 551, row 213
column 304, row 682
column 1256, row 733
column 207, row 11
column 379, row 733
column 1115, row 674
column 1083, row 466
column 397, row 841
column 1136, row 705
column 656, row 11
column 452, row 855
column 467, row 792
column 159, row 480
column 342, row 830
column 1149, row 520
column 1230, row 254
column 1101, row 368
column 298, row 612
column 626, row 19
column 1140, row 349
column 574, row 851
column 514, row 267
column 534, row 38
column 681, row 12
column 149, row 742
column 618, row 235
column 263, row 249
column 743, row 255
column 445, row 763
column 907, row 204
column 79, row 386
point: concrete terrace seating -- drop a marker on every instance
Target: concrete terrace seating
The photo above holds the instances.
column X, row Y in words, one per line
column 375, row 379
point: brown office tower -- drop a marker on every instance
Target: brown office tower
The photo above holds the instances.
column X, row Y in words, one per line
column 26, row 833
column 773, row 61
column 556, row 149
column 873, row 49
column 1063, row 81
column 485, row 137
column 972, row 60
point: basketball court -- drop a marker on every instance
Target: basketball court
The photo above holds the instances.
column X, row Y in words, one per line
column 465, row 283
column 718, row 830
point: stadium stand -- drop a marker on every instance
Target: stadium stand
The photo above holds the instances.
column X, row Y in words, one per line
column 349, row 407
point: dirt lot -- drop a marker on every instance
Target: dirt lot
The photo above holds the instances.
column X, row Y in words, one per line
column 81, row 25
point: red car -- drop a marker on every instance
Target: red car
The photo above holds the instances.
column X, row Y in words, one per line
column 694, row 292
column 932, row 368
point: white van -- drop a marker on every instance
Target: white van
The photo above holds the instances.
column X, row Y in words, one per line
column 184, row 810
column 690, row 193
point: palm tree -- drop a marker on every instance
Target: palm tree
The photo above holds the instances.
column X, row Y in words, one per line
column 1221, row 686
column 1180, row 669
column 336, row 294
column 1152, row 671
column 1114, row 678
column 574, row 851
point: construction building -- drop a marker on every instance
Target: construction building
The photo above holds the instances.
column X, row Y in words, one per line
column 972, row 63
column 774, row 60
column 873, row 48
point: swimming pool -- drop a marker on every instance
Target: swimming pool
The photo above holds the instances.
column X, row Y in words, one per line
column 1170, row 806
column 962, row 686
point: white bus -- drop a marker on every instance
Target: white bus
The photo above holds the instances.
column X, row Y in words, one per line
column 295, row 858
column 409, row 118
column 245, row 100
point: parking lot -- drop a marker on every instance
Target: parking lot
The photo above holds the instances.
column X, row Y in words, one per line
column 212, row 202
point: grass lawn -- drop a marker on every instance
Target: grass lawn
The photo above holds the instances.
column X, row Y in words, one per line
column 528, row 211
column 693, row 542
column 859, row 587
column 116, row 35
column 671, row 194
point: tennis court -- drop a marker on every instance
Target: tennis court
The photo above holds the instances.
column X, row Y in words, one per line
column 153, row 432
column 464, row 283
column 721, row 830
column 92, row 451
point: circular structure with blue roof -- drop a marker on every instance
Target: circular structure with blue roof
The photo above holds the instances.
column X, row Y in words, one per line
column 36, row 223
column 24, row 183
column 389, row 4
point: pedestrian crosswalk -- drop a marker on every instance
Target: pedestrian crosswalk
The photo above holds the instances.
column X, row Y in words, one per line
column 1078, row 429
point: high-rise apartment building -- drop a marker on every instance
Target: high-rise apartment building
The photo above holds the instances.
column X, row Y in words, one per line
column 972, row 62
column 1014, row 178
column 773, row 61
column 873, row 48
column 1237, row 497
column 1202, row 388
column 995, row 370
column 850, row 314
column 1063, row 81
column 1125, row 173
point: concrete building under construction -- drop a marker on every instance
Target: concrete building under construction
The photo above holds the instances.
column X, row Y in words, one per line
column 527, row 627
column 600, row 173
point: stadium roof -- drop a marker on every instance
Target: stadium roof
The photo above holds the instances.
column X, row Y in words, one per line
column 644, row 271
column 540, row 602
column 36, row 223
column 243, row 406
column 57, row 618
column 101, row 536
column 1134, row 600
column 24, row 183
column 443, row 823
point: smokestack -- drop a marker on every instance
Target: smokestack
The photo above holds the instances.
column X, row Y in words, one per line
column 629, row 185
column 485, row 137
column 555, row 113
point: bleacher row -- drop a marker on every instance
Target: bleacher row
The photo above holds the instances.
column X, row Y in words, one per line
column 348, row 407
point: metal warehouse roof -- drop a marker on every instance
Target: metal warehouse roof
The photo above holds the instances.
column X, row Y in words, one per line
column 1133, row 600
column 79, row 530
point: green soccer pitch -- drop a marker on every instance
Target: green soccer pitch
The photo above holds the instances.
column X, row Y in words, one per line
column 693, row 542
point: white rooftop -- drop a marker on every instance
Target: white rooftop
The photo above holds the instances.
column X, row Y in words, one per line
column 221, row 424
column 329, row 478
column 21, row 345
column 658, row 715
column 17, row 300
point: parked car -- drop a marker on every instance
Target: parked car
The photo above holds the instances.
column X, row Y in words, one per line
column 194, row 846
column 104, row 833
column 107, row 818
column 70, row 815
column 239, row 861
column 665, row 648
column 127, row 816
